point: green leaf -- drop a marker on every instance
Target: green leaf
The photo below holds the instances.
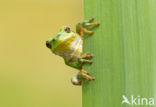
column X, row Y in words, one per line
column 124, row 49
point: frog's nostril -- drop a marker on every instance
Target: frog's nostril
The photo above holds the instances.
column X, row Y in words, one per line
column 48, row 44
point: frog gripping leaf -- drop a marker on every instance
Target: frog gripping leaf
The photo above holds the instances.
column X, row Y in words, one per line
column 68, row 45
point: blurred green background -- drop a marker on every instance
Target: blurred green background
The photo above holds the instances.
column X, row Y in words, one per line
column 30, row 75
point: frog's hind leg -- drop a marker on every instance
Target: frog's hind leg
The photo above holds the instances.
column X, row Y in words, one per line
column 77, row 79
column 84, row 72
column 85, row 76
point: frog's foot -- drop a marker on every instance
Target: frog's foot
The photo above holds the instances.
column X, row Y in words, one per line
column 82, row 27
column 83, row 61
column 87, row 77
column 77, row 79
column 86, row 56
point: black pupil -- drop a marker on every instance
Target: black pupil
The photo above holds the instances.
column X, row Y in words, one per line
column 67, row 29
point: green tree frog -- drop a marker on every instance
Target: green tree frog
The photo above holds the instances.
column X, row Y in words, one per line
column 68, row 44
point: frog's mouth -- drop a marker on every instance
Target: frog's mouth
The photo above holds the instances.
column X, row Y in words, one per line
column 48, row 45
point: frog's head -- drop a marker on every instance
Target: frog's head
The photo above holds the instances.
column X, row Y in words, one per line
column 55, row 41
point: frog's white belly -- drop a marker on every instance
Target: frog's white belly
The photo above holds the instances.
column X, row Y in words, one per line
column 71, row 49
column 76, row 47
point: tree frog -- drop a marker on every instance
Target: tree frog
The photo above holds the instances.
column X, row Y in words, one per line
column 68, row 44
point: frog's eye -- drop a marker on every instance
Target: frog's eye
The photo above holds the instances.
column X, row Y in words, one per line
column 67, row 29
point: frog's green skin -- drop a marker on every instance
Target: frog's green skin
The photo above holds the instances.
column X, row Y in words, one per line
column 68, row 45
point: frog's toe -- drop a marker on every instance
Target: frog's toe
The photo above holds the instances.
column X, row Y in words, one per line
column 93, row 78
column 91, row 19
column 88, row 61
column 90, row 55
column 97, row 24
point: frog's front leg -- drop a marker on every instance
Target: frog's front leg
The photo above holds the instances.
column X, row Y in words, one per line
column 86, row 56
column 80, row 61
column 82, row 27
column 83, row 61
